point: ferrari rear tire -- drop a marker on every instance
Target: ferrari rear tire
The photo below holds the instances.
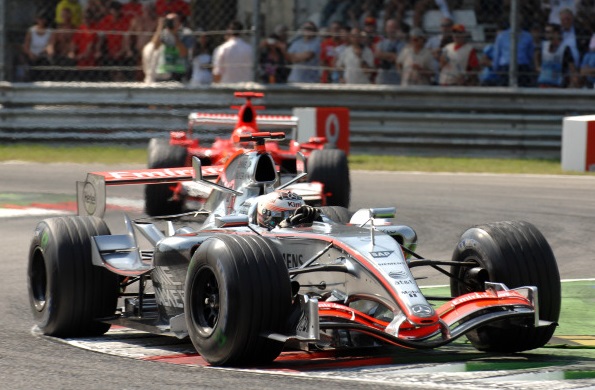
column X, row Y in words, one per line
column 329, row 166
column 336, row 213
column 67, row 293
column 237, row 288
column 517, row 254
column 158, row 197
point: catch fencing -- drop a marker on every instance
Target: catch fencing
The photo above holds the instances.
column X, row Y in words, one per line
column 110, row 48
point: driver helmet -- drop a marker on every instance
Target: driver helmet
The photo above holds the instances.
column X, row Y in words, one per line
column 277, row 206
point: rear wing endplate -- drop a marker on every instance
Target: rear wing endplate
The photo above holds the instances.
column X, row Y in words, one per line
column 91, row 193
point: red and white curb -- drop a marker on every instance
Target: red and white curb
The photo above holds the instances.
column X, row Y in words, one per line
column 399, row 368
column 64, row 208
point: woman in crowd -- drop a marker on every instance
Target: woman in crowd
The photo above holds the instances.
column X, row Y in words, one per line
column 555, row 62
column 36, row 47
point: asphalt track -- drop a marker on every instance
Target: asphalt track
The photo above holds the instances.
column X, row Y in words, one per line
column 439, row 206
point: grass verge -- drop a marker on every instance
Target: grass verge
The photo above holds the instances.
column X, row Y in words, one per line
column 137, row 155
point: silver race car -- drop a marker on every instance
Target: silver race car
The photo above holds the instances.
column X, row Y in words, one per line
column 256, row 271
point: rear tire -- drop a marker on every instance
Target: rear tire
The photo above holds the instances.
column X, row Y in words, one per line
column 330, row 167
column 336, row 213
column 158, row 197
column 237, row 287
column 516, row 254
column 67, row 292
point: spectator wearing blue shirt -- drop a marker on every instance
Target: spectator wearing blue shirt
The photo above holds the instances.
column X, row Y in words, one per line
column 304, row 54
column 525, row 54
column 588, row 65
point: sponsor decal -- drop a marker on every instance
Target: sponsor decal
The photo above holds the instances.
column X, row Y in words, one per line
column 472, row 297
column 150, row 174
column 45, row 238
column 380, row 254
column 411, row 293
column 221, row 338
column 90, row 198
column 303, row 324
column 422, row 310
column 167, row 287
column 293, row 260
column 398, row 274
column 390, row 264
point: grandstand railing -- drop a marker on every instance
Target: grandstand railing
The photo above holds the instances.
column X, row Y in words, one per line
column 494, row 122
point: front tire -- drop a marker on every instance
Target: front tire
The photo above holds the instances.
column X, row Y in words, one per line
column 158, row 197
column 516, row 254
column 67, row 293
column 237, row 287
column 330, row 167
column 336, row 214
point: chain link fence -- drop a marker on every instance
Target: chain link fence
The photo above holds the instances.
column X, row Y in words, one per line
column 526, row 43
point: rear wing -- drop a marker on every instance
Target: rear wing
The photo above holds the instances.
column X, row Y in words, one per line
column 263, row 121
column 91, row 193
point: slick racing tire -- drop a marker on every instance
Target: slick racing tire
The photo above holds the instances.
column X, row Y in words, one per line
column 67, row 293
column 237, row 288
column 158, row 197
column 329, row 166
column 336, row 213
column 516, row 254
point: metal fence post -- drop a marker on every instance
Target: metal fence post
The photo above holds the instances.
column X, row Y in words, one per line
column 256, row 28
column 3, row 40
column 514, row 34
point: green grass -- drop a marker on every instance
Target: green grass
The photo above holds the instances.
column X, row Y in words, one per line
column 137, row 155
column 576, row 315
column 447, row 164
column 73, row 154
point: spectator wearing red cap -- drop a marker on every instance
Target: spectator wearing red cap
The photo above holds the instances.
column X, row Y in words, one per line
column 371, row 31
column 458, row 62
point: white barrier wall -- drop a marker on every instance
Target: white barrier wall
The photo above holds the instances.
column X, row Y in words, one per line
column 578, row 143
column 331, row 123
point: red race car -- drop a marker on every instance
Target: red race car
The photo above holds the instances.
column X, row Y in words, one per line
column 327, row 166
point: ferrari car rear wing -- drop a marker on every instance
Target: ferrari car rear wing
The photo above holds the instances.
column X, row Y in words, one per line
column 91, row 193
column 263, row 121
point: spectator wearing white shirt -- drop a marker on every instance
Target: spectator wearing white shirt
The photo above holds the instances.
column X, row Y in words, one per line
column 357, row 60
column 232, row 60
column 572, row 37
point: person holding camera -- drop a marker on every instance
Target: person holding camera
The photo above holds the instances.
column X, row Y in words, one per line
column 172, row 42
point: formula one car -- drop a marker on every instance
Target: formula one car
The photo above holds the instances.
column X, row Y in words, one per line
column 326, row 164
column 243, row 290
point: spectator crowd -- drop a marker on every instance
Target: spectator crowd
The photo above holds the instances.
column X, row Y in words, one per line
column 353, row 42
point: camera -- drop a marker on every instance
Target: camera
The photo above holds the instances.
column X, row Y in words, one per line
column 169, row 24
